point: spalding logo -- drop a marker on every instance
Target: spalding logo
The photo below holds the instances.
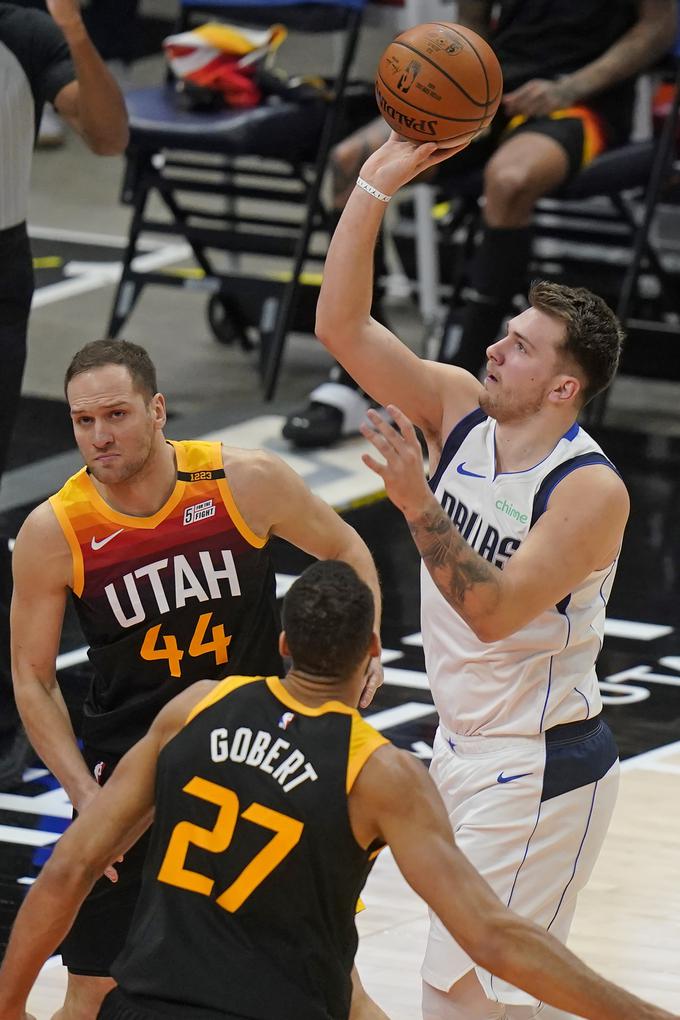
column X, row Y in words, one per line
column 424, row 127
column 448, row 43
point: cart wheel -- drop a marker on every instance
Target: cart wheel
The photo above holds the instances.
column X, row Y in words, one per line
column 225, row 320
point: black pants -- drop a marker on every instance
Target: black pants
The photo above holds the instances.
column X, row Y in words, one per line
column 16, row 291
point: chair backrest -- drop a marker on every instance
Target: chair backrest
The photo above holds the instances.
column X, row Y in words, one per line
column 305, row 15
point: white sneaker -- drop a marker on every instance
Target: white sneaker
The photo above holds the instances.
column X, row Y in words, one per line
column 51, row 131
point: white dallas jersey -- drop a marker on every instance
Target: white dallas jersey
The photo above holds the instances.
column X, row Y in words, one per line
column 544, row 674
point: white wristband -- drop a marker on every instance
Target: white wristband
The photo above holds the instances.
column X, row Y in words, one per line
column 361, row 183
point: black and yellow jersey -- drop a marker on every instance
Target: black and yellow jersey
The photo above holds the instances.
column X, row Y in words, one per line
column 253, row 874
column 186, row 594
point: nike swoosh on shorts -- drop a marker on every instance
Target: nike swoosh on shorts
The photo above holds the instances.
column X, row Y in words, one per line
column 508, row 779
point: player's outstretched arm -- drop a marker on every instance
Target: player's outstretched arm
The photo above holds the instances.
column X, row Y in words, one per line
column 394, row 799
column 383, row 366
column 110, row 824
column 580, row 532
column 93, row 104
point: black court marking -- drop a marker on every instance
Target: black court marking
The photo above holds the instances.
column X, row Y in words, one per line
column 52, row 258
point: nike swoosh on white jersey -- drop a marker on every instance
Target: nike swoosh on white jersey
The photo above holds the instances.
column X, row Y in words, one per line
column 98, row 544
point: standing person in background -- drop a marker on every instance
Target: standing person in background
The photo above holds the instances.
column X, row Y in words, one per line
column 289, row 794
column 42, row 59
column 114, row 29
column 165, row 550
column 519, row 533
column 569, row 86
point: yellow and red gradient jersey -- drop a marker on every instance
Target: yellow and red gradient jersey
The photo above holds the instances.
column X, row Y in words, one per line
column 186, row 594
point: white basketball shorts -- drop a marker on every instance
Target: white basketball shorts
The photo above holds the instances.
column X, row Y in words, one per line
column 531, row 814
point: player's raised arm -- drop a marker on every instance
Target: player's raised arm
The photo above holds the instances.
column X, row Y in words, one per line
column 372, row 355
column 418, row 831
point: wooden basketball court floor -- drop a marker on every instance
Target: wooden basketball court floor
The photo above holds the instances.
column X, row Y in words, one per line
column 627, row 921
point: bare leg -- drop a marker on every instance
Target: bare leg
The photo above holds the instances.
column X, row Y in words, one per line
column 363, row 1007
column 84, row 996
column 466, row 1001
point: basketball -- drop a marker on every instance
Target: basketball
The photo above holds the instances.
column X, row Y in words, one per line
column 438, row 81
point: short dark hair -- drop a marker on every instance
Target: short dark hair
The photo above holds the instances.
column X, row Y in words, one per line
column 98, row 353
column 328, row 620
column 594, row 338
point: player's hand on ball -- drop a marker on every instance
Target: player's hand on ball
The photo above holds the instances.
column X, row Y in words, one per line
column 403, row 473
column 400, row 160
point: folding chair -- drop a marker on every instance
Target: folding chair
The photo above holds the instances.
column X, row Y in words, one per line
column 243, row 183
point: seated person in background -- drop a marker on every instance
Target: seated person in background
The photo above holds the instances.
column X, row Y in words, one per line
column 569, row 80
column 272, row 799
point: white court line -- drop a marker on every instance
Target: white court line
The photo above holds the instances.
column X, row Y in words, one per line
column 406, row 678
column 630, row 629
column 650, row 758
column 27, row 837
column 77, row 236
column 635, row 631
column 103, row 274
column 52, row 804
column 390, row 717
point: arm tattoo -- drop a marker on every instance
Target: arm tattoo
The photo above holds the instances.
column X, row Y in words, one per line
column 454, row 566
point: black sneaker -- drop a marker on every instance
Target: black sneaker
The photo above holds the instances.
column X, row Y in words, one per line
column 15, row 754
column 333, row 412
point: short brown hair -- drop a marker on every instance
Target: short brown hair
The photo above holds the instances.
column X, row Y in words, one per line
column 594, row 338
column 98, row 353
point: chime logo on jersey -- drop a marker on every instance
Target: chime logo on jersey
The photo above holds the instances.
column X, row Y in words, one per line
column 484, row 538
column 168, row 584
column 285, row 720
column 199, row 512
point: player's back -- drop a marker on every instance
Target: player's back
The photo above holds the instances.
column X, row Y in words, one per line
column 247, row 907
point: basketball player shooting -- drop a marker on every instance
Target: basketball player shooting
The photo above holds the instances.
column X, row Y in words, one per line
column 519, row 531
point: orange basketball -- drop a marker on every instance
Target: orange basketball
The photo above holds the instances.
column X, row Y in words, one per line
column 438, row 81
